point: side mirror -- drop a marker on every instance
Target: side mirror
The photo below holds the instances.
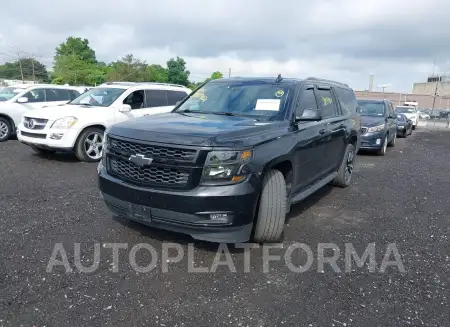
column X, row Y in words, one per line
column 125, row 108
column 309, row 115
column 22, row 100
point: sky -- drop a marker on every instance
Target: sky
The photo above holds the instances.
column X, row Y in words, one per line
column 399, row 41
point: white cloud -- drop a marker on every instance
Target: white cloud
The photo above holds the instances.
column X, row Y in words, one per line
column 344, row 40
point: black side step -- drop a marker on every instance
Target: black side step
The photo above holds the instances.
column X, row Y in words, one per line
column 313, row 188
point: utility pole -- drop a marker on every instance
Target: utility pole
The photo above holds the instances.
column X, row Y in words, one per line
column 229, row 72
column 20, row 65
column 435, row 94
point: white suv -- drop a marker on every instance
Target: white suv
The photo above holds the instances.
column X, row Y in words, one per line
column 79, row 125
column 17, row 99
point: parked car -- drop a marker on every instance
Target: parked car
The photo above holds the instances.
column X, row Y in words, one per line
column 19, row 99
column 404, row 126
column 410, row 112
column 227, row 163
column 423, row 115
column 79, row 125
column 379, row 125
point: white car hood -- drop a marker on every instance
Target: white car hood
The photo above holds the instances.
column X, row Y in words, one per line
column 410, row 115
column 57, row 112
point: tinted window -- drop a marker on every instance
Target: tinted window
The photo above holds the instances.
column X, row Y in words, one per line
column 347, row 100
column 155, row 98
column 36, row 95
column 57, row 95
column 307, row 101
column 135, row 100
column 74, row 94
column 326, row 103
column 174, row 96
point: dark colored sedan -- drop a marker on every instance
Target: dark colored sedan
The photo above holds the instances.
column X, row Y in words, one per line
column 404, row 126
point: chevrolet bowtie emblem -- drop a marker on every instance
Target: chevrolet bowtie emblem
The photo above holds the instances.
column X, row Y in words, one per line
column 140, row 160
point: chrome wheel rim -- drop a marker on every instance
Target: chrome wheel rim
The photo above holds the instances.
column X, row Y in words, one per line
column 4, row 130
column 349, row 165
column 385, row 144
column 93, row 145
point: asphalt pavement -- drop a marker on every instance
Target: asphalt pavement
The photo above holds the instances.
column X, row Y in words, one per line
column 400, row 199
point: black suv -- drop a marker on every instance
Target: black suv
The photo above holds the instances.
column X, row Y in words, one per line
column 227, row 163
column 379, row 125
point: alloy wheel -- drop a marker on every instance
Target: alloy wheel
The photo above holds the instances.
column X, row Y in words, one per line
column 4, row 130
column 349, row 165
column 93, row 145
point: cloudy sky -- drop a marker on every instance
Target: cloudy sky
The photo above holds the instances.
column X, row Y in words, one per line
column 347, row 40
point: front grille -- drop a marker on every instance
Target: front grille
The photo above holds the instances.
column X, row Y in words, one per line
column 37, row 123
column 364, row 130
column 149, row 175
column 172, row 167
column 34, row 135
column 156, row 152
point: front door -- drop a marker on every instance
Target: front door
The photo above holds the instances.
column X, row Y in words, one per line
column 311, row 136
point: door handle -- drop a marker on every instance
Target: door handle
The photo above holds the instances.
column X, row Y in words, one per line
column 322, row 131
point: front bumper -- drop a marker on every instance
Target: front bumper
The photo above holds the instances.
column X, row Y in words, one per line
column 186, row 212
column 372, row 141
column 48, row 138
column 401, row 130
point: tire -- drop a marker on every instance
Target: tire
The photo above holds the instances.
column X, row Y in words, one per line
column 414, row 127
column 392, row 143
column 383, row 149
column 80, row 146
column 345, row 172
column 272, row 208
column 42, row 151
column 5, row 129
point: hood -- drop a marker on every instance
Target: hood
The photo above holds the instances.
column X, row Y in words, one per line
column 64, row 110
column 200, row 130
column 369, row 121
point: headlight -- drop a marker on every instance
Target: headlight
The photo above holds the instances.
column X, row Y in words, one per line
column 401, row 127
column 64, row 123
column 225, row 166
column 374, row 129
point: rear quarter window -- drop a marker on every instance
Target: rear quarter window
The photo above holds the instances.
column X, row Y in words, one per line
column 347, row 100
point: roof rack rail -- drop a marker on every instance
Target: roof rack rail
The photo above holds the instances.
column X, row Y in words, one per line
column 167, row 84
column 325, row 80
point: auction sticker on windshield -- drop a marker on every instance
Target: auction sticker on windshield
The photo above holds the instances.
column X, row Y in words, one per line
column 268, row 104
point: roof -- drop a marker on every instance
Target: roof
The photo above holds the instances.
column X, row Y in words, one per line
column 127, row 85
column 271, row 80
column 373, row 100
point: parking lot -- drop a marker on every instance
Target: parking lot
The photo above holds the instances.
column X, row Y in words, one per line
column 402, row 198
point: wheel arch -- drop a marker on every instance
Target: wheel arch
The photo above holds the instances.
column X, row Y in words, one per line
column 10, row 120
column 103, row 127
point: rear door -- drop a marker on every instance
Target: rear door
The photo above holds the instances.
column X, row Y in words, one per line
column 335, row 128
column 156, row 102
column 310, row 151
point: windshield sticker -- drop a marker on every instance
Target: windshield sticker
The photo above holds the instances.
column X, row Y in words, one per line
column 268, row 104
column 326, row 101
column 279, row 93
column 203, row 98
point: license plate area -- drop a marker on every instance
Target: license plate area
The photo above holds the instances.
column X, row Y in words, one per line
column 140, row 212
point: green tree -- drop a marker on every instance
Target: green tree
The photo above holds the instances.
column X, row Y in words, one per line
column 76, row 47
column 30, row 67
column 216, row 75
column 128, row 69
column 157, row 73
column 177, row 72
column 72, row 70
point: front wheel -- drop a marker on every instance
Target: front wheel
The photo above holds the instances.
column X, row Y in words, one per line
column 392, row 143
column 89, row 146
column 272, row 208
column 383, row 149
column 5, row 129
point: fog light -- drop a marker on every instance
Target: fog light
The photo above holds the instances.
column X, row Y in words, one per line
column 56, row 136
column 223, row 217
column 378, row 142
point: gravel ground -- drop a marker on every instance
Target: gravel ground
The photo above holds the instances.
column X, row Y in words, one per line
column 401, row 198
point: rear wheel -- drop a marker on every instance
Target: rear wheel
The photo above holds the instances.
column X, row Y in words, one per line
column 272, row 208
column 89, row 145
column 5, row 129
column 345, row 172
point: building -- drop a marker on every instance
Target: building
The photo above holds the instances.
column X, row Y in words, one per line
column 439, row 83
column 424, row 100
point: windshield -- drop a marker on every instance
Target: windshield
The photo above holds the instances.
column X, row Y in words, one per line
column 251, row 99
column 403, row 110
column 9, row 92
column 371, row 108
column 401, row 118
column 99, row 96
